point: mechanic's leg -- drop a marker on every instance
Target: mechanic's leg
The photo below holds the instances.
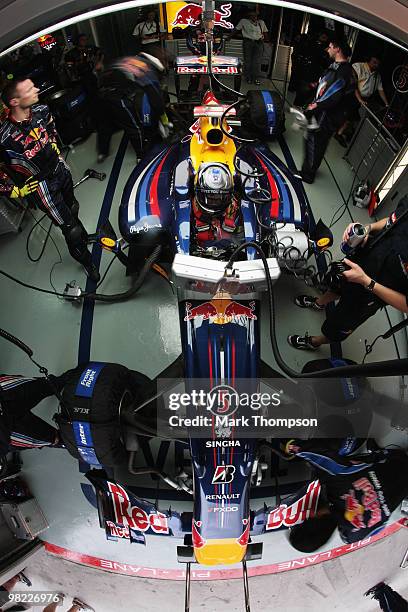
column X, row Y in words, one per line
column 105, row 126
column 34, row 427
column 315, row 147
column 23, row 397
column 50, row 199
column 343, row 319
column 327, row 298
column 247, row 47
column 257, row 52
column 125, row 117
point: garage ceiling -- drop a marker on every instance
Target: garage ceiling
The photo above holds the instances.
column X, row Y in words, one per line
column 22, row 18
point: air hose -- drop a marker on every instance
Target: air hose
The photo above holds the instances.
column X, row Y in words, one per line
column 121, row 297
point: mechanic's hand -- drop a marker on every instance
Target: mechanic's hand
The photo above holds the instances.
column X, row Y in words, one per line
column 55, row 148
column 21, row 192
column 312, row 106
column 356, row 274
column 348, row 228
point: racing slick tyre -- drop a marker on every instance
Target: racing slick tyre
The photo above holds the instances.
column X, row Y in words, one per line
column 91, row 406
column 263, row 115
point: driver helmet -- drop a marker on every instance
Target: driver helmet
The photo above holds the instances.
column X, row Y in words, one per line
column 214, row 188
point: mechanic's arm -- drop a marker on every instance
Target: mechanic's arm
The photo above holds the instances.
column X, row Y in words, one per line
column 389, row 296
column 383, row 97
column 377, row 226
column 331, row 97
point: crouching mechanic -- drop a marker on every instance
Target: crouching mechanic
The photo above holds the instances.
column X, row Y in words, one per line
column 19, row 427
column 359, row 493
column 378, row 276
column 32, row 167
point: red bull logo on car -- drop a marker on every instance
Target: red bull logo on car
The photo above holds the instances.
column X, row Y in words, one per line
column 190, row 15
column 221, row 312
column 134, row 516
column 299, row 511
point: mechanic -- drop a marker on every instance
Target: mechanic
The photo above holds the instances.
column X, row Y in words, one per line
column 83, row 61
column 358, row 498
column 254, row 32
column 369, row 83
column 216, row 211
column 377, row 277
column 309, row 61
column 18, row 396
column 32, row 167
column 196, row 42
column 149, row 34
column 328, row 108
column 130, row 98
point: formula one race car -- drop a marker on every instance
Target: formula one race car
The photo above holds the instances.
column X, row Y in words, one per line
column 229, row 216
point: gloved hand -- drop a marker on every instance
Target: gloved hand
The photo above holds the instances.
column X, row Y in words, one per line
column 55, row 148
column 165, row 126
column 30, row 186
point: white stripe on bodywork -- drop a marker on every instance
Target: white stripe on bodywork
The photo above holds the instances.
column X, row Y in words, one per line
column 132, row 197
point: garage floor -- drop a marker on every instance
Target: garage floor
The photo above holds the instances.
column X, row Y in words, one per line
column 143, row 335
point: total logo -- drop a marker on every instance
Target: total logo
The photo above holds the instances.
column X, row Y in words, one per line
column 223, row 474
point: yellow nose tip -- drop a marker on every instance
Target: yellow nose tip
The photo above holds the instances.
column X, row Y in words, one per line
column 220, row 552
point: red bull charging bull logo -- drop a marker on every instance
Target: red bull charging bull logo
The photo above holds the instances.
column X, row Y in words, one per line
column 221, row 312
column 190, row 15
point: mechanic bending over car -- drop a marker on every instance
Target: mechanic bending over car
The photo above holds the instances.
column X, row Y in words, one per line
column 359, row 494
column 130, row 98
column 216, row 210
column 376, row 277
column 31, row 167
column 18, row 396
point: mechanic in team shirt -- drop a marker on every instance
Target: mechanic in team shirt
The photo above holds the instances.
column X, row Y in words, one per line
column 378, row 276
column 32, row 167
column 196, row 42
column 131, row 98
column 19, row 427
column 359, row 492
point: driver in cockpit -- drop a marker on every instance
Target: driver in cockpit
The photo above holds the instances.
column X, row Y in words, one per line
column 216, row 209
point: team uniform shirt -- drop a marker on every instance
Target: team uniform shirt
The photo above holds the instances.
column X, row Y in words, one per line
column 387, row 261
column 148, row 32
column 26, row 149
column 335, row 85
column 367, row 82
column 251, row 30
column 362, row 503
column 82, row 59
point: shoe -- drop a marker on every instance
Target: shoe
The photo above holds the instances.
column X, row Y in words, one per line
column 257, row 82
column 341, row 140
column 305, row 179
column 308, row 301
column 82, row 606
column 23, row 578
column 302, row 342
column 92, row 273
column 101, row 158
